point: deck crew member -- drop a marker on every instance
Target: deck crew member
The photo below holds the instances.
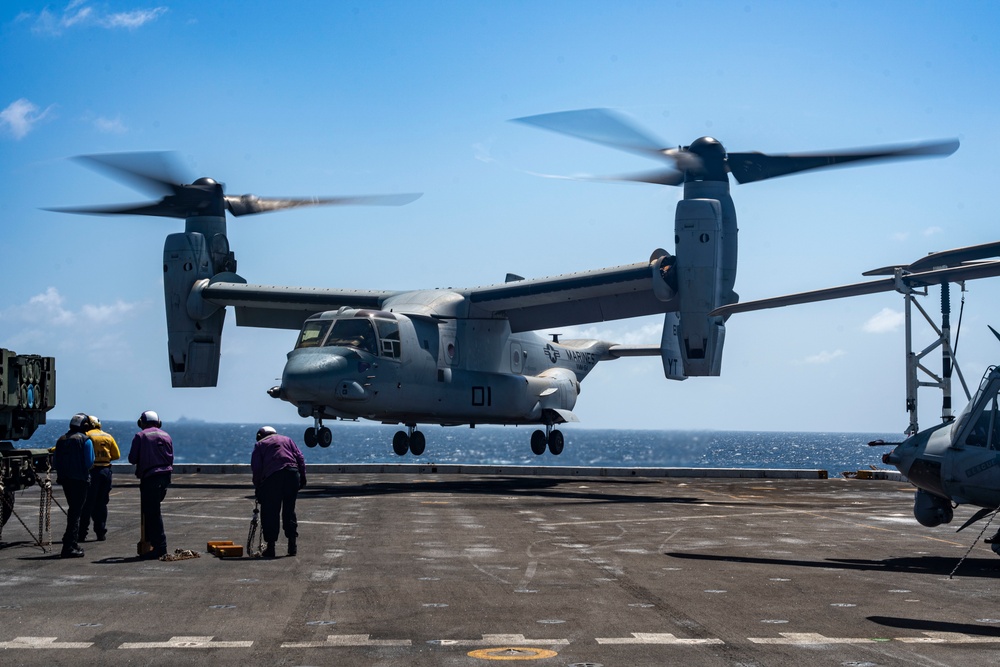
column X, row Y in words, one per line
column 96, row 508
column 74, row 456
column 279, row 471
column 152, row 453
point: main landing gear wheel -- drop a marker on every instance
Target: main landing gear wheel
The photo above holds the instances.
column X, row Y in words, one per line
column 400, row 443
column 310, row 437
column 324, row 437
column 417, row 443
column 556, row 442
column 412, row 441
column 538, row 443
column 552, row 438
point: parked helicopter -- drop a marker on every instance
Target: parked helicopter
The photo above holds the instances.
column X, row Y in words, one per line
column 463, row 356
column 955, row 462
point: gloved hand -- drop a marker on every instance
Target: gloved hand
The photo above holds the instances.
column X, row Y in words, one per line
column 302, row 482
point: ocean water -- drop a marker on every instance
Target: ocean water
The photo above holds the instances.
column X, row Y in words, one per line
column 201, row 442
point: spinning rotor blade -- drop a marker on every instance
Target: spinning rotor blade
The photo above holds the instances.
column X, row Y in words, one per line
column 156, row 208
column 705, row 158
column 601, row 126
column 251, row 204
column 155, row 173
column 159, row 173
column 750, row 167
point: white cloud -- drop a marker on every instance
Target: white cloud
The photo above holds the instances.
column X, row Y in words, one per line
column 110, row 125
column 886, row 320
column 932, row 231
column 80, row 14
column 647, row 334
column 824, row 357
column 131, row 20
column 21, row 116
column 49, row 309
column 482, row 151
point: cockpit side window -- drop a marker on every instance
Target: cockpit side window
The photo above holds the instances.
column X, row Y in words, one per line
column 388, row 333
column 312, row 333
column 354, row 332
column 986, row 432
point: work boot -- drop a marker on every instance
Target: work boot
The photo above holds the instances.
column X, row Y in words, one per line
column 269, row 551
column 71, row 551
column 293, row 548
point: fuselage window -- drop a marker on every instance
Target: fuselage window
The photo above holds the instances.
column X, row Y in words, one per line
column 355, row 332
column 388, row 333
column 312, row 333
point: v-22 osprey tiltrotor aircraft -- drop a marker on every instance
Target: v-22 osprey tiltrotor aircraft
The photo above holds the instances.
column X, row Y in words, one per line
column 463, row 356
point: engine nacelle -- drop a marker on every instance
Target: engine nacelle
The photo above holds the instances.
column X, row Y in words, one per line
column 699, row 270
column 930, row 510
column 194, row 339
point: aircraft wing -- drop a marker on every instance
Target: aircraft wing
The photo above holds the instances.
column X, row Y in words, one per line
column 954, row 274
column 277, row 307
column 574, row 298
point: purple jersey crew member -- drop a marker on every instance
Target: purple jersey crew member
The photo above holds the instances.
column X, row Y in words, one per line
column 279, row 471
column 152, row 453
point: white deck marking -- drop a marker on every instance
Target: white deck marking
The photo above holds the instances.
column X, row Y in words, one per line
column 188, row 642
column 348, row 640
column 500, row 640
column 655, row 638
column 42, row 642
column 948, row 638
column 812, row 638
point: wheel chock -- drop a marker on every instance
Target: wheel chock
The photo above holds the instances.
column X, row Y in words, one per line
column 212, row 546
column 229, row 551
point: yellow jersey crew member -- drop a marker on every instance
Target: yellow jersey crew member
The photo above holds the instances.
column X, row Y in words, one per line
column 96, row 506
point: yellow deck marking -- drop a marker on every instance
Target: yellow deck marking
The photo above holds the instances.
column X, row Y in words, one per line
column 512, row 653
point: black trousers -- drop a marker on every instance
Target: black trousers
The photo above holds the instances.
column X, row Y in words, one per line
column 76, row 497
column 96, row 507
column 152, row 491
column 277, row 495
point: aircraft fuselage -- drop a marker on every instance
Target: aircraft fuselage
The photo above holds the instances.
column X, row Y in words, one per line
column 398, row 368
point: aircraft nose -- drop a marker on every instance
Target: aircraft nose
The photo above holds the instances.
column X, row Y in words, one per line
column 308, row 377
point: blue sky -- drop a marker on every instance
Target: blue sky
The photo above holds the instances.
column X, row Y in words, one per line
column 321, row 98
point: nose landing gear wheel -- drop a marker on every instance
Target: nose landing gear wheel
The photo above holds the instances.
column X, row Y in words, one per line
column 324, row 437
column 310, row 437
column 538, row 443
column 400, row 443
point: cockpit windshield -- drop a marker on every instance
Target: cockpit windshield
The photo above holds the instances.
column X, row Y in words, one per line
column 356, row 332
column 313, row 332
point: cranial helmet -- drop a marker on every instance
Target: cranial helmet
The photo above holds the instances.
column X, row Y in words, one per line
column 148, row 418
column 94, row 422
column 78, row 422
column 265, row 431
